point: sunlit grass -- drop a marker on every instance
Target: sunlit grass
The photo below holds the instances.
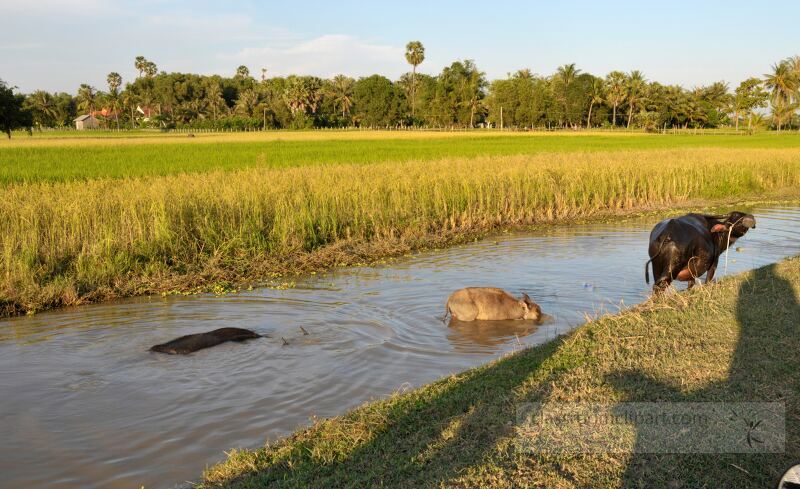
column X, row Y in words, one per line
column 65, row 243
column 83, row 158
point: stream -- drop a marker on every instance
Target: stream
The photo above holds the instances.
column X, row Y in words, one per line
column 84, row 404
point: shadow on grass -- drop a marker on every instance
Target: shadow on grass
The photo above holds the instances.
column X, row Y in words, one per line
column 765, row 368
column 429, row 436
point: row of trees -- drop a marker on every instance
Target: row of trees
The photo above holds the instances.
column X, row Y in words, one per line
column 459, row 96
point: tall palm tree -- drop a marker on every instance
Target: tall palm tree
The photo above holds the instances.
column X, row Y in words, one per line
column 596, row 94
column 635, row 85
column 114, row 81
column 415, row 55
column 150, row 69
column 615, row 92
column 140, row 63
column 214, row 97
column 565, row 76
column 242, row 71
column 473, row 86
column 783, row 84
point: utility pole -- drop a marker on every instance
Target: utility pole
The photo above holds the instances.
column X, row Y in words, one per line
column 501, row 117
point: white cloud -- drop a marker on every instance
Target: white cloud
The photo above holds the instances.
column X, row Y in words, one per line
column 325, row 56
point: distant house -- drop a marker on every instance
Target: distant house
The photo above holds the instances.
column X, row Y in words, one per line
column 87, row 121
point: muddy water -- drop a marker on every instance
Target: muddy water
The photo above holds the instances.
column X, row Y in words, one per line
column 84, row 404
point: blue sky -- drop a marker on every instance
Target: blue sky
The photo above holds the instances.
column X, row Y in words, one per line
column 58, row 44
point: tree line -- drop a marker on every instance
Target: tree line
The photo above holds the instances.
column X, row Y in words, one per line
column 460, row 96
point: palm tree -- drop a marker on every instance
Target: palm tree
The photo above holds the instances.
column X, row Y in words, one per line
column 302, row 94
column 150, row 69
column 782, row 112
column 214, row 97
column 242, row 72
column 695, row 111
column 415, row 55
column 248, row 102
column 140, row 63
column 129, row 102
column 42, row 102
column 565, row 75
column 87, row 98
column 475, row 82
column 783, row 84
column 596, row 92
column 114, row 81
column 524, row 74
column 635, row 85
column 340, row 90
column 615, row 92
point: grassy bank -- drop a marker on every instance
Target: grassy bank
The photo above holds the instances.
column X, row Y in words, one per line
column 83, row 158
column 72, row 242
column 734, row 341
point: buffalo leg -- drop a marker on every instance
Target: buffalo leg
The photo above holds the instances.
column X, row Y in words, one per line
column 710, row 274
column 661, row 285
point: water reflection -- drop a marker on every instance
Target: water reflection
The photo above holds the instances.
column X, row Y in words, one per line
column 474, row 336
column 83, row 403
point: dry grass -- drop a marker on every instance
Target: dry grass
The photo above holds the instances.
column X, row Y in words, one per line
column 67, row 243
column 733, row 341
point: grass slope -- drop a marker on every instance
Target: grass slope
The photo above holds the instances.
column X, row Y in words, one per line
column 734, row 341
column 82, row 158
column 72, row 242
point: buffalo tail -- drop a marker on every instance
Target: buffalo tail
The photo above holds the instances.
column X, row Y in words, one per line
column 647, row 265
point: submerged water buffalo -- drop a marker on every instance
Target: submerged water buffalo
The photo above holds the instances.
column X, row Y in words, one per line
column 686, row 247
column 193, row 342
column 488, row 303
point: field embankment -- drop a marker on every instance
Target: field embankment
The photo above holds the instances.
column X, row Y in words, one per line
column 734, row 341
column 77, row 241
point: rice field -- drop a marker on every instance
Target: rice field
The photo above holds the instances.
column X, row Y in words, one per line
column 94, row 231
column 84, row 156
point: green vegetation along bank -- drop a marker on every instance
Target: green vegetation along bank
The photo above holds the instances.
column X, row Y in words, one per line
column 65, row 243
column 734, row 341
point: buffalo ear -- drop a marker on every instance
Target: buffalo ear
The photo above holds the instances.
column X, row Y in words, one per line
column 718, row 228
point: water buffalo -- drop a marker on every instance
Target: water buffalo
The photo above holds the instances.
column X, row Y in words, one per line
column 686, row 247
column 488, row 303
column 193, row 342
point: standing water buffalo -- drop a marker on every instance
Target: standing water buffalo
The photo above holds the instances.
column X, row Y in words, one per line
column 193, row 342
column 686, row 247
column 488, row 303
